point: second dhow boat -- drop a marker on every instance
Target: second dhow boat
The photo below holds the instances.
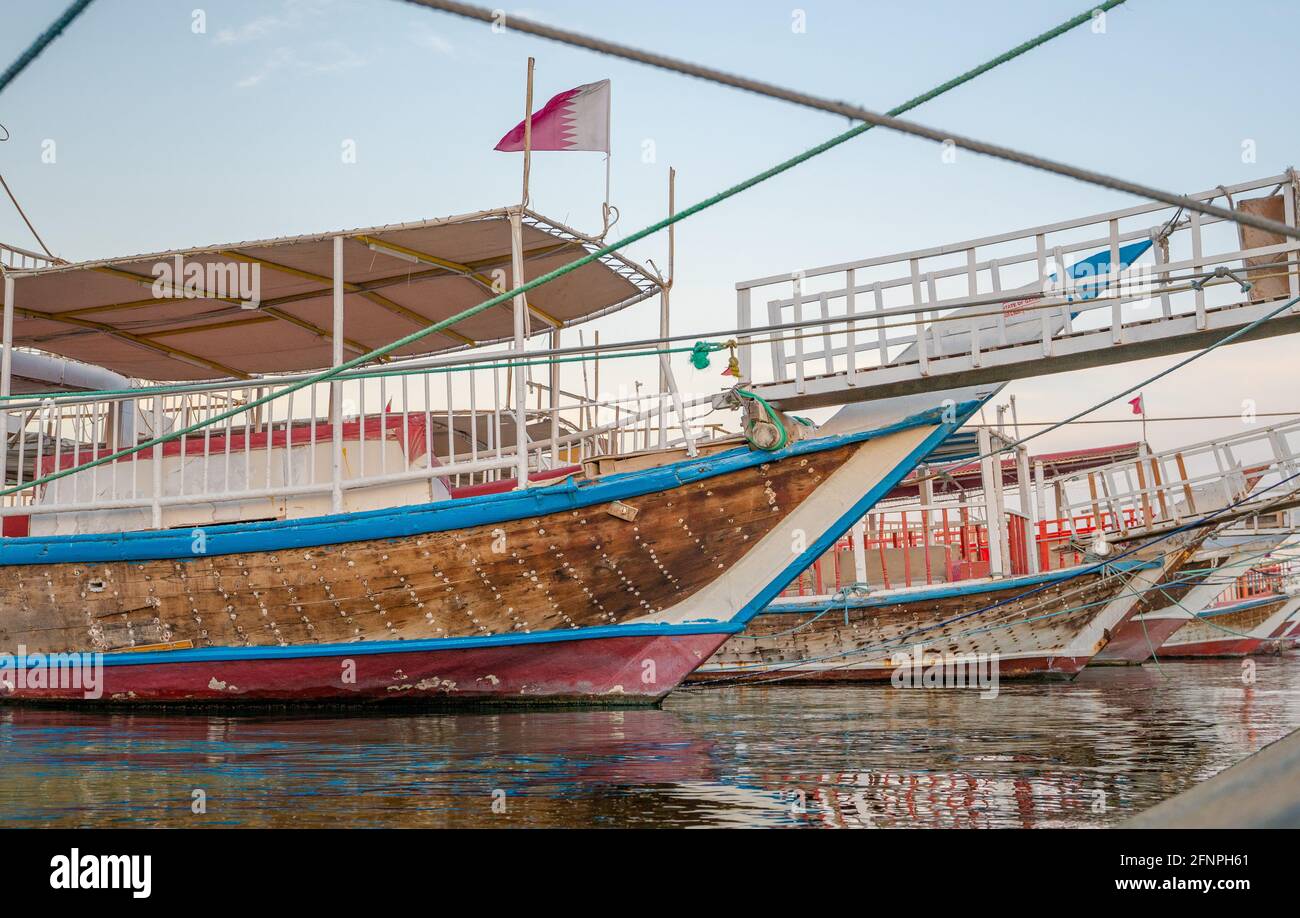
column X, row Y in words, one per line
column 605, row 583
column 1236, row 626
column 1188, row 591
column 1047, row 619
column 1039, row 621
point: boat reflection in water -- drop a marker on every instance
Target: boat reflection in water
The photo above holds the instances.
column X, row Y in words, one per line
column 1087, row 753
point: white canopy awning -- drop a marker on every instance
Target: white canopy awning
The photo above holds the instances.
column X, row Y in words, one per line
column 398, row 279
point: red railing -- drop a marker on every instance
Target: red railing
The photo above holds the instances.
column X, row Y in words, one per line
column 901, row 556
column 1055, row 536
column 901, row 549
column 1264, row 580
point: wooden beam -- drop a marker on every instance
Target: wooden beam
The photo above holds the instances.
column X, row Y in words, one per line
column 377, row 298
column 316, row 330
column 139, row 340
column 229, row 323
column 466, row 270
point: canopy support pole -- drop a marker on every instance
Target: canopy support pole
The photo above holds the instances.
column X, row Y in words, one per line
column 1028, row 506
column 6, row 369
column 860, row 551
column 521, row 385
column 7, row 358
column 990, row 474
column 155, row 505
column 555, row 401
column 336, row 387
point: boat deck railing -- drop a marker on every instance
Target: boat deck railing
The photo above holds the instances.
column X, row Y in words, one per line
column 1096, row 290
column 13, row 258
column 417, row 424
column 1270, row 578
column 1227, row 479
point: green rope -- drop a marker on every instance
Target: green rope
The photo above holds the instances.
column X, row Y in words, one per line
column 772, row 415
column 590, row 257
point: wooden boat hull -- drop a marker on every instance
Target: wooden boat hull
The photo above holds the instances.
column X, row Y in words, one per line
column 1240, row 630
column 1186, row 589
column 1290, row 638
column 1046, row 626
column 1189, row 588
column 1138, row 638
column 600, row 669
column 527, row 577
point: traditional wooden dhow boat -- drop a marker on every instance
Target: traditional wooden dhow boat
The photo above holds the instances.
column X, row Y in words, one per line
column 1259, row 467
column 1289, row 639
column 288, row 558
column 1245, row 487
column 1252, row 615
column 1018, row 593
column 1235, row 629
column 1046, row 625
column 1038, row 621
column 1191, row 589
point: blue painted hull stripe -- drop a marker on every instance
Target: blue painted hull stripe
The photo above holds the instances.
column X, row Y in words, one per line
column 858, row 510
column 791, row 607
column 428, row 645
column 1241, row 606
column 442, row 516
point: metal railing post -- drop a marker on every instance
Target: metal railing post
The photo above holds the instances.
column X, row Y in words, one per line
column 155, row 503
column 521, row 386
column 336, row 387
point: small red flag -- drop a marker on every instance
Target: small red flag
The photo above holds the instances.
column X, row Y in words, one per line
column 1138, row 407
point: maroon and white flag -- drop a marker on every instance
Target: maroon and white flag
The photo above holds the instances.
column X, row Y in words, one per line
column 574, row 120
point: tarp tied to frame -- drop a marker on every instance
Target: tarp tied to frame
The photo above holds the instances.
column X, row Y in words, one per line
column 267, row 306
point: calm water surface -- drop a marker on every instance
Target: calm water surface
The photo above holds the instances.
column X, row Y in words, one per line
column 1086, row 753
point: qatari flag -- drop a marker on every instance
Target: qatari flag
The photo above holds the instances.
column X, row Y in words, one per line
column 574, row 120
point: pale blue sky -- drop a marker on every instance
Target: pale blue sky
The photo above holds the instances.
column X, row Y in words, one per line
column 168, row 138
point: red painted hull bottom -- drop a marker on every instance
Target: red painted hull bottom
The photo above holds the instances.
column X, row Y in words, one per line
column 634, row 670
column 1228, row 647
column 1043, row 668
column 1133, row 643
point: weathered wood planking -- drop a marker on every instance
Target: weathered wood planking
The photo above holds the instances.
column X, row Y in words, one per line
column 561, row 570
column 1226, row 627
column 868, row 636
column 1044, row 630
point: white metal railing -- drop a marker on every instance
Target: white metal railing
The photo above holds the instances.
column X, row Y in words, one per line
column 1253, row 469
column 13, row 258
column 403, row 433
column 1032, row 286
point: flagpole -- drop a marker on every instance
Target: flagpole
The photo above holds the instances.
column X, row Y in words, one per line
column 521, row 301
column 528, row 129
column 604, row 211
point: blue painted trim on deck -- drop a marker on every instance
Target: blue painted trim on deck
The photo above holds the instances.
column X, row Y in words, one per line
column 858, row 510
column 429, row 645
column 943, row 591
column 418, row 519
